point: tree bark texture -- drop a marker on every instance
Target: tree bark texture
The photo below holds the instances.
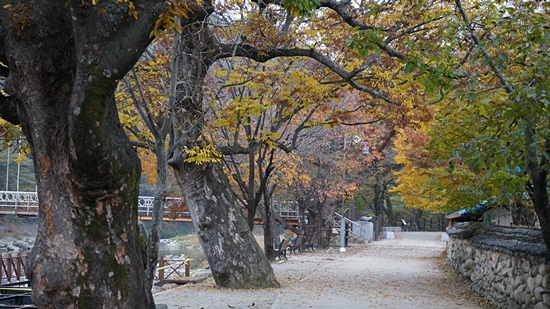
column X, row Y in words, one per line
column 320, row 222
column 234, row 256
column 539, row 180
column 251, row 202
column 378, row 198
column 64, row 60
column 269, row 226
column 153, row 241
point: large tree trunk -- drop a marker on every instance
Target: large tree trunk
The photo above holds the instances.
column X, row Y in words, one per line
column 389, row 210
column 539, row 179
column 377, row 200
column 320, row 222
column 269, row 248
column 234, row 256
column 64, row 60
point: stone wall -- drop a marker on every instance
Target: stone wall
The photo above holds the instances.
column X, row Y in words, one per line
column 504, row 265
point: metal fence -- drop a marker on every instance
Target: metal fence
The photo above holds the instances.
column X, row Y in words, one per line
column 172, row 207
column 26, row 204
column 19, row 203
column 287, row 209
column 355, row 229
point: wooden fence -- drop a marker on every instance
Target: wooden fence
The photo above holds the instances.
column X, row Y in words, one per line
column 172, row 269
column 13, row 267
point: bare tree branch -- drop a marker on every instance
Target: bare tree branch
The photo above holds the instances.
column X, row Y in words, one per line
column 248, row 51
column 484, row 51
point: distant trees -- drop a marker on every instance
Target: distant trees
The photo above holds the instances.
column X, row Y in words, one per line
column 263, row 117
column 316, row 185
column 489, row 138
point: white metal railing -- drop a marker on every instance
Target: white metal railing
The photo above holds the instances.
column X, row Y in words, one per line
column 356, row 230
column 26, row 203
column 145, row 205
column 14, row 202
column 287, row 209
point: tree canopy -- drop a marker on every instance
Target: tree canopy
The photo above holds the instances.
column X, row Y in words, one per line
column 451, row 95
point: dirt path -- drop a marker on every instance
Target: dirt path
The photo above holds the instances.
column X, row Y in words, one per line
column 400, row 273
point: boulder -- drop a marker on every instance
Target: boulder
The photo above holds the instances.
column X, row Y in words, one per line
column 12, row 248
column 541, row 305
column 469, row 264
column 23, row 245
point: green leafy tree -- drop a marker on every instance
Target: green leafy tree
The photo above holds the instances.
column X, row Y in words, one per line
column 490, row 138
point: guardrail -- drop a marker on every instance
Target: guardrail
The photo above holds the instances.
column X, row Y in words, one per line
column 173, row 207
column 287, row 209
column 356, row 230
column 26, row 204
column 16, row 295
column 19, row 203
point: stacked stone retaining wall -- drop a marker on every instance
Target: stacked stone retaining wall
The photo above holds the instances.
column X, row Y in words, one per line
column 505, row 265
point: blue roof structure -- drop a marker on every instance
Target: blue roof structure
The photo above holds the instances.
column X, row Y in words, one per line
column 468, row 214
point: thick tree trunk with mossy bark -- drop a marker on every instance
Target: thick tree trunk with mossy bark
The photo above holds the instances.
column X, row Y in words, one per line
column 64, row 60
column 234, row 256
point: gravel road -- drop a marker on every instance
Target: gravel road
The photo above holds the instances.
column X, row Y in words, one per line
column 398, row 273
